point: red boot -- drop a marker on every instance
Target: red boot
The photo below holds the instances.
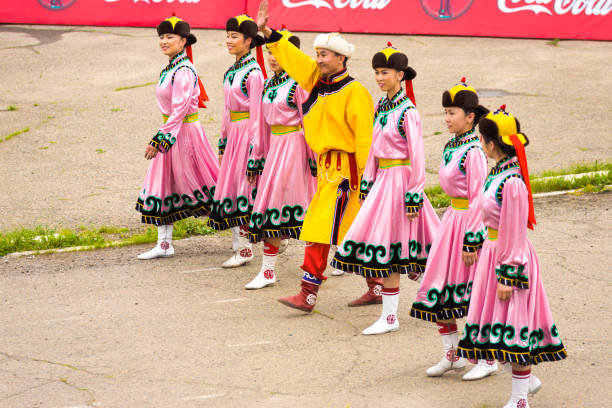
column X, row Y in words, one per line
column 373, row 296
column 305, row 300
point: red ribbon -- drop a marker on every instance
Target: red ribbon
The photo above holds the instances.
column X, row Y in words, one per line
column 261, row 62
column 410, row 91
column 522, row 159
column 203, row 96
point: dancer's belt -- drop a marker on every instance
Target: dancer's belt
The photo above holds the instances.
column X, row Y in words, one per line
column 192, row 117
column 460, row 203
column 386, row 163
column 235, row 116
column 492, row 234
column 283, row 130
column 326, row 160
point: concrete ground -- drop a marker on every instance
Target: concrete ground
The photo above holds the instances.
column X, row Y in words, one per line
column 102, row 329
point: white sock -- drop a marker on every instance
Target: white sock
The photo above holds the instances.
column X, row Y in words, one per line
column 520, row 384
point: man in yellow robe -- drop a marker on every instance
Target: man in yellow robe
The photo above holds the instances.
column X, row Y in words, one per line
column 338, row 123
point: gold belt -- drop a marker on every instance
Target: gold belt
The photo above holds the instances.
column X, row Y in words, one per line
column 192, row 117
column 460, row 203
column 492, row 234
column 386, row 163
column 283, row 130
column 235, row 116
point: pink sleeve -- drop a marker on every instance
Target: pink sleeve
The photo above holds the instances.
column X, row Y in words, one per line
column 413, row 132
column 225, row 121
column 512, row 235
column 476, row 172
column 259, row 137
column 184, row 86
column 369, row 176
column 300, row 96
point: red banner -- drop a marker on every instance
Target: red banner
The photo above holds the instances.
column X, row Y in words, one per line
column 566, row 19
column 130, row 13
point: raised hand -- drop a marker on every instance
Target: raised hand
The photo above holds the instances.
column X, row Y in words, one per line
column 262, row 16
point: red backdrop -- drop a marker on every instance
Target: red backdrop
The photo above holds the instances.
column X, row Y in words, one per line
column 567, row 19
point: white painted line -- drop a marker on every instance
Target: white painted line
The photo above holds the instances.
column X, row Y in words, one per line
column 64, row 319
column 202, row 397
column 256, row 343
column 216, row 268
column 229, row 300
column 572, row 177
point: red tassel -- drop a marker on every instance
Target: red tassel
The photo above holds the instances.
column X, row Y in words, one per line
column 503, row 107
column 261, row 62
column 203, row 96
column 174, row 13
column 410, row 91
column 283, row 27
column 463, row 80
column 389, row 44
column 522, row 159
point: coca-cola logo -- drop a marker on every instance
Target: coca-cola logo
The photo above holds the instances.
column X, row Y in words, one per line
column 339, row 4
column 559, row 7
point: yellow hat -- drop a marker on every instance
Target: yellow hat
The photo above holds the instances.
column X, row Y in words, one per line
column 500, row 125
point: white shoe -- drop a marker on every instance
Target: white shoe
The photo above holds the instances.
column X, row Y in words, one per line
column 337, row 272
column 535, row 385
column 449, row 362
column 483, row 369
column 384, row 324
column 263, row 279
column 266, row 275
column 164, row 247
column 283, row 246
column 159, row 251
column 516, row 402
column 239, row 258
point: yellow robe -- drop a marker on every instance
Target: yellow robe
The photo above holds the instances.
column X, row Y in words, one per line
column 338, row 119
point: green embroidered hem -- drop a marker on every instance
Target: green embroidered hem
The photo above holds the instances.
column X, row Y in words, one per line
column 445, row 306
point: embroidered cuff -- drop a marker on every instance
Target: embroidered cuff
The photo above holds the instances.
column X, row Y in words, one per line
column 414, row 202
column 313, row 167
column 364, row 188
column 511, row 275
column 162, row 142
column 255, row 167
column 222, row 143
column 274, row 37
column 472, row 241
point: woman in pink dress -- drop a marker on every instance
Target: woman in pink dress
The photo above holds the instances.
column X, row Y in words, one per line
column 509, row 318
column 288, row 178
column 180, row 181
column 242, row 88
column 396, row 224
column 444, row 294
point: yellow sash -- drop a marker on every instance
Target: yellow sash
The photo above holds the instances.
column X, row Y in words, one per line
column 460, row 203
column 192, row 117
column 283, row 130
column 386, row 163
column 235, row 116
column 492, row 234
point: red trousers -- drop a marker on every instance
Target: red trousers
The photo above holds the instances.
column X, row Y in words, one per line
column 315, row 259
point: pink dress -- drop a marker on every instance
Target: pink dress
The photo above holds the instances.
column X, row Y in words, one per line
column 288, row 178
column 520, row 330
column 382, row 240
column 447, row 283
column 234, row 196
column 181, row 178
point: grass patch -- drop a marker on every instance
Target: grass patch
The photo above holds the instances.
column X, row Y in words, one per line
column 116, row 110
column 100, row 151
column 595, row 182
column 437, row 132
column 576, row 169
column 437, row 197
column 11, row 108
column 554, row 42
column 123, row 88
column 12, row 135
column 44, row 238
